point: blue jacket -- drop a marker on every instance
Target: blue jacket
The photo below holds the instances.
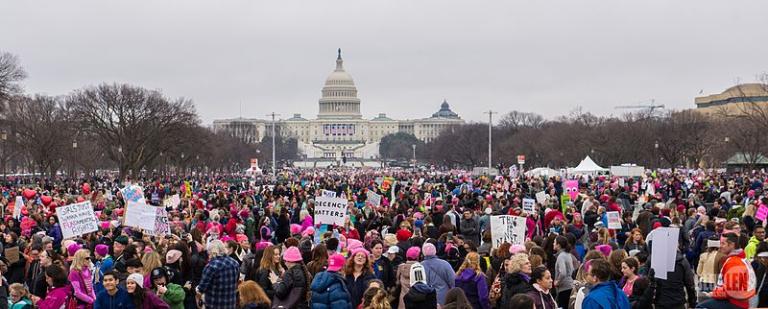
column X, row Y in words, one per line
column 330, row 291
column 440, row 276
column 606, row 295
column 120, row 300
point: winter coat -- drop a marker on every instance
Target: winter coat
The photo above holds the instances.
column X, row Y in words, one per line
column 749, row 251
column 542, row 300
column 82, row 284
column 382, row 269
column 470, row 229
column 329, row 290
column 440, row 275
column 262, row 278
column 606, row 295
column 475, row 288
column 672, row 292
column 403, row 278
column 293, row 278
column 357, row 286
column 121, row 300
column 151, row 301
column 420, row 296
column 513, row 284
column 707, row 269
column 174, row 296
column 23, row 303
column 56, row 297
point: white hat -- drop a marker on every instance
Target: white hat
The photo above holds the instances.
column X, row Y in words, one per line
column 393, row 250
column 138, row 278
column 418, row 274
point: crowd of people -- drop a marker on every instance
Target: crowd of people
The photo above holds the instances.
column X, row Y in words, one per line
column 240, row 241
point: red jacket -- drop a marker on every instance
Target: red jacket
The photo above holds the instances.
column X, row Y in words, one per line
column 736, row 281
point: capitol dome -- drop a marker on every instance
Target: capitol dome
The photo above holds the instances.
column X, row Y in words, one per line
column 339, row 95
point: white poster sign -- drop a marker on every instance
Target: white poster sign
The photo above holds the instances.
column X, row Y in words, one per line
column 161, row 223
column 172, row 202
column 77, row 219
column 17, row 207
column 140, row 215
column 133, row 193
column 662, row 258
column 509, row 229
column 528, row 205
column 374, row 198
column 328, row 193
column 541, row 198
column 330, row 210
column 614, row 220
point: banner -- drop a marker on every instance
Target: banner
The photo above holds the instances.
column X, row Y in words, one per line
column 374, row 198
column 509, row 229
column 528, row 205
column 614, row 220
column 133, row 193
column 161, row 223
column 140, row 215
column 541, row 198
column 328, row 193
column 77, row 219
column 330, row 210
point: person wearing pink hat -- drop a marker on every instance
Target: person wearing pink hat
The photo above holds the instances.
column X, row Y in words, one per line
column 294, row 281
column 329, row 288
column 403, row 274
column 357, row 273
column 102, row 263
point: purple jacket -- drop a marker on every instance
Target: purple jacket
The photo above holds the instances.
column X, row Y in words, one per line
column 151, row 301
column 475, row 288
column 55, row 298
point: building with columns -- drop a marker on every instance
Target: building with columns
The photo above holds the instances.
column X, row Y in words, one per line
column 340, row 129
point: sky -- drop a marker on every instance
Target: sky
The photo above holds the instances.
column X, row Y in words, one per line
column 250, row 58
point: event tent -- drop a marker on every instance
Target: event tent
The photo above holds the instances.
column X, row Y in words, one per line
column 587, row 166
column 542, row 172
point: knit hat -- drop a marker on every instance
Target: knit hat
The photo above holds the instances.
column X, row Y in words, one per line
column 515, row 249
column 172, row 256
column 353, row 244
column 335, row 262
column 295, row 229
column 362, row 250
column 72, row 249
column 604, row 249
column 241, row 238
column 292, row 254
column 418, row 274
column 309, row 231
column 403, row 235
column 122, row 239
column 138, row 278
column 413, row 253
column 429, row 249
column 102, row 249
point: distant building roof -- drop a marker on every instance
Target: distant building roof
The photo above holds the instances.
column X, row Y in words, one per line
column 736, row 94
column 296, row 117
column 382, row 117
column 445, row 112
column 741, row 158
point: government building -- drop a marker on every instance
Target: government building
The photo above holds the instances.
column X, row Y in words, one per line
column 739, row 99
column 340, row 131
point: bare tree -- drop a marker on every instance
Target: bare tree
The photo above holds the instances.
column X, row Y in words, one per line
column 516, row 120
column 11, row 73
column 132, row 124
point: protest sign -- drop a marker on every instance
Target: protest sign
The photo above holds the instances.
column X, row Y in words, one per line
column 328, row 193
column 77, row 219
column 662, row 258
column 541, row 197
column 374, row 198
column 528, row 205
column 17, row 207
column 330, row 210
column 761, row 214
column 12, row 254
column 140, row 215
column 133, row 193
column 161, row 223
column 614, row 220
column 172, row 202
column 509, row 229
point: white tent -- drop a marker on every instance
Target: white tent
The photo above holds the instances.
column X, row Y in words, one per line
column 587, row 166
column 542, row 171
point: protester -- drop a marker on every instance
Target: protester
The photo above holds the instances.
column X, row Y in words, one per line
column 732, row 293
column 358, row 272
column 113, row 296
column 140, row 297
column 60, row 291
column 220, row 278
column 80, row 277
column 604, row 293
column 420, row 294
column 329, row 289
column 440, row 274
column 171, row 293
column 292, row 288
column 471, row 280
column 252, row 296
column 542, row 284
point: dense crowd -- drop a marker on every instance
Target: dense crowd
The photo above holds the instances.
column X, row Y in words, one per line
column 240, row 241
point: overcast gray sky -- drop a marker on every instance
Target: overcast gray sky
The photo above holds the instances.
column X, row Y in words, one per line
column 406, row 56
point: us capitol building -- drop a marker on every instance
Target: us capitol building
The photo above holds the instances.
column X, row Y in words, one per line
column 340, row 130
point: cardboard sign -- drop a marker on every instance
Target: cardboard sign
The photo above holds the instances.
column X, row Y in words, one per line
column 12, row 254
column 614, row 220
column 140, row 215
column 374, row 198
column 541, row 197
column 528, row 205
column 509, row 229
column 330, row 210
column 328, row 193
column 133, row 193
column 663, row 241
column 77, row 219
column 161, row 223
column 762, row 213
column 172, row 202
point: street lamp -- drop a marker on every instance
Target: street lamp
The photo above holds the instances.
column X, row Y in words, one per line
column 414, row 155
column 4, row 136
column 74, row 145
column 726, row 139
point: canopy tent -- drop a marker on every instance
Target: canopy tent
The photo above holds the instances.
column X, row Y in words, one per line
column 587, row 166
column 542, row 172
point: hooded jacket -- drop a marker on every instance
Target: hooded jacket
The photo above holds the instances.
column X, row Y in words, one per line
column 513, row 284
column 606, row 295
column 330, row 291
column 749, row 251
column 475, row 288
column 440, row 275
column 421, row 296
column 293, row 278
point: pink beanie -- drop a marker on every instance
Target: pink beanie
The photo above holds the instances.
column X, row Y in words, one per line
column 295, row 229
column 263, row 245
column 428, row 249
column 353, row 244
column 72, row 249
column 309, row 231
column 241, row 237
column 515, row 249
column 102, row 249
column 413, row 253
column 359, row 250
column 604, row 249
column 292, row 254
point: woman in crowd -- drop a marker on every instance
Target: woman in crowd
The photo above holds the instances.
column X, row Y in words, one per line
column 141, row 298
column 564, row 267
column 81, row 280
column 270, row 269
column 292, row 288
column 60, row 290
column 375, row 297
column 629, row 271
column 517, row 279
column 319, row 259
column 471, row 279
column 542, row 284
column 358, row 272
column 456, row 299
column 251, row 296
column 636, row 241
column 329, row 289
column 18, row 297
column 403, row 276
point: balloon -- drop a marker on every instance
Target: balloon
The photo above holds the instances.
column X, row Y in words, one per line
column 46, row 200
column 29, row 193
column 86, row 188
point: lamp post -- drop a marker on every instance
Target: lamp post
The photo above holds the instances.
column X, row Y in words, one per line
column 414, row 155
column 490, row 133
column 4, row 136
column 656, row 153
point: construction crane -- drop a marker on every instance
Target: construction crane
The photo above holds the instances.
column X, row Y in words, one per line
column 651, row 108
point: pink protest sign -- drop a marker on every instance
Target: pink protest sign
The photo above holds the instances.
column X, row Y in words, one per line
column 762, row 212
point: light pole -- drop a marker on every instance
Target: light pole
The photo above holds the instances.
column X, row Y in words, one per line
column 414, row 155
column 4, row 136
column 656, row 153
column 274, row 166
column 490, row 133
